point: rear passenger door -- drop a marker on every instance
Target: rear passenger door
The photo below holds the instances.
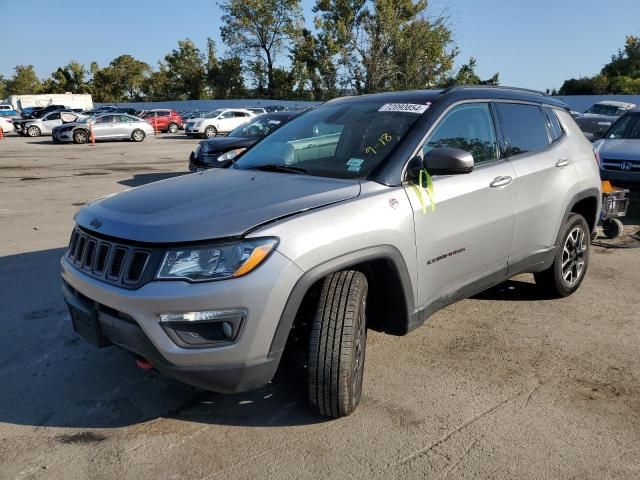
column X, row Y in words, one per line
column 464, row 244
column 545, row 176
column 52, row 120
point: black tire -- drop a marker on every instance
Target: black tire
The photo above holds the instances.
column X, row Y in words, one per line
column 337, row 345
column 173, row 128
column 137, row 135
column 210, row 131
column 612, row 228
column 571, row 259
column 80, row 136
column 33, row 131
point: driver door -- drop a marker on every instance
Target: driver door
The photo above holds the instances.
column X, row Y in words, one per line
column 464, row 244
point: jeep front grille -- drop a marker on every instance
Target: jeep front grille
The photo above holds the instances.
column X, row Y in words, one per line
column 117, row 263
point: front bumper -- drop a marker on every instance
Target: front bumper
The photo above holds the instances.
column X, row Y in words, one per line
column 65, row 136
column 620, row 177
column 129, row 319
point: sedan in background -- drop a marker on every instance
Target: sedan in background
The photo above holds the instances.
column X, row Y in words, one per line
column 618, row 152
column 221, row 151
column 44, row 125
column 107, row 126
column 597, row 119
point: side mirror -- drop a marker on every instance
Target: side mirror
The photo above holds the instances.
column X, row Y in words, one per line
column 448, row 161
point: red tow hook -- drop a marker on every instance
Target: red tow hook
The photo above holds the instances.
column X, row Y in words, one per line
column 144, row 364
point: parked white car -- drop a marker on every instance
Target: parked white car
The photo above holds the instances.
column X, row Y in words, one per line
column 218, row 121
column 6, row 125
column 45, row 125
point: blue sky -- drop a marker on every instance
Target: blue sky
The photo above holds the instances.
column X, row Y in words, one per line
column 534, row 44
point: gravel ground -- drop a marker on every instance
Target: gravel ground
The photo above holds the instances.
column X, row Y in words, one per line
column 505, row 385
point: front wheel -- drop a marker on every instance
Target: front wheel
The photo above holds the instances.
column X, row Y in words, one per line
column 337, row 345
column 33, row 131
column 210, row 131
column 571, row 259
column 80, row 136
column 137, row 135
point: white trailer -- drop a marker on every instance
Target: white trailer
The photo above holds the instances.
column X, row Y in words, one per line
column 69, row 100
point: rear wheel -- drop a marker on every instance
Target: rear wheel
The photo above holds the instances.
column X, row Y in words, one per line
column 173, row 128
column 571, row 260
column 80, row 136
column 33, row 131
column 210, row 131
column 137, row 135
column 337, row 344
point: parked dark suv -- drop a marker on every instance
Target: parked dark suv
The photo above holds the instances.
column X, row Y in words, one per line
column 366, row 212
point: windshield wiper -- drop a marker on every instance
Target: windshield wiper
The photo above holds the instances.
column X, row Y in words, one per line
column 273, row 167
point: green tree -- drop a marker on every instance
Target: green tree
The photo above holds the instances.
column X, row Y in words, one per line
column 121, row 81
column 313, row 69
column 257, row 31
column 70, row 78
column 185, row 69
column 212, row 68
column 229, row 82
column 157, row 86
column 625, row 63
column 3, row 87
column 467, row 75
column 386, row 44
column 24, row 81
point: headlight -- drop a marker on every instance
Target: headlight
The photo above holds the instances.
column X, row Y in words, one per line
column 215, row 262
column 230, row 155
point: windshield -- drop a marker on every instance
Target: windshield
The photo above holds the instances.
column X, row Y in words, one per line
column 260, row 127
column 213, row 114
column 609, row 110
column 86, row 119
column 628, row 127
column 338, row 141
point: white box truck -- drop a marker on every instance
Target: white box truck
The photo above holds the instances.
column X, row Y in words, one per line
column 69, row 100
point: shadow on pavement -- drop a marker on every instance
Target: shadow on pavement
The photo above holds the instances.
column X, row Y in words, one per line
column 513, row 291
column 145, row 178
column 52, row 377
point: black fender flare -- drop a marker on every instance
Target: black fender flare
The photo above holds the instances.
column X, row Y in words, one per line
column 309, row 278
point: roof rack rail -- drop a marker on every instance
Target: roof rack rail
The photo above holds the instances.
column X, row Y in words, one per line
column 497, row 87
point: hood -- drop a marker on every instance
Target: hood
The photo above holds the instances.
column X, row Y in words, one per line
column 218, row 203
column 620, row 149
column 222, row 144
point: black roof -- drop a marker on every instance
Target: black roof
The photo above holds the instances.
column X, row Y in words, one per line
column 461, row 92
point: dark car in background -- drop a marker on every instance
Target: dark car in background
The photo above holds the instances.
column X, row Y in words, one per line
column 618, row 152
column 597, row 119
column 219, row 152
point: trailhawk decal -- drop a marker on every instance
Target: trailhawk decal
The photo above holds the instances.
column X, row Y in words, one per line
column 446, row 255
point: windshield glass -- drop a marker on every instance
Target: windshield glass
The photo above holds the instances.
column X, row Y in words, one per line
column 339, row 141
column 213, row 114
column 628, row 127
column 609, row 110
column 260, row 127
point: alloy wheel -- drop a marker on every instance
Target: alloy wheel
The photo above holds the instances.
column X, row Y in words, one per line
column 573, row 256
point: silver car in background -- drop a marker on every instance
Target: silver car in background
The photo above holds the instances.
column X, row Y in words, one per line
column 108, row 126
column 618, row 153
column 597, row 119
column 36, row 127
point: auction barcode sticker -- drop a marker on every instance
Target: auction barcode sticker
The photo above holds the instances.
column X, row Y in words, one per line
column 404, row 107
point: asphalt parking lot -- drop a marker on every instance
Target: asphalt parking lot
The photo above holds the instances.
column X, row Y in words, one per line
column 505, row 385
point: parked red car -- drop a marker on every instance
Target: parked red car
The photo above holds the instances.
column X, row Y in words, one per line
column 163, row 120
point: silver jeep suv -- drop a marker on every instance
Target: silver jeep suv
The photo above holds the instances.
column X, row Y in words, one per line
column 367, row 212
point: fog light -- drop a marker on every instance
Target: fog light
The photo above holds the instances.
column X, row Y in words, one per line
column 205, row 329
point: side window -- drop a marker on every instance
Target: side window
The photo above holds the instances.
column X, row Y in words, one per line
column 468, row 127
column 124, row 118
column 523, row 126
column 54, row 116
column 105, row 119
column 240, row 114
column 553, row 125
column 227, row 115
column 163, row 113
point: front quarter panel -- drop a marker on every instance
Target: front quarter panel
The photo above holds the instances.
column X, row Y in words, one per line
column 380, row 216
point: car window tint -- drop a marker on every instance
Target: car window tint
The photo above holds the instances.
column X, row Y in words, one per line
column 105, row 119
column 227, row 115
column 54, row 116
column 553, row 125
column 163, row 113
column 124, row 119
column 523, row 126
column 468, row 127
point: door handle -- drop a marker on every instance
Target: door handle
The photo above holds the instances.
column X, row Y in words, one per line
column 500, row 182
column 563, row 162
